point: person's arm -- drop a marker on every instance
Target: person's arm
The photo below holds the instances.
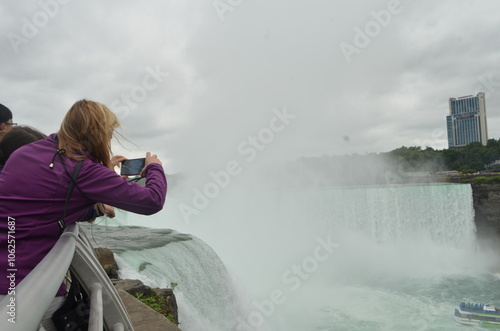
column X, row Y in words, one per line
column 104, row 185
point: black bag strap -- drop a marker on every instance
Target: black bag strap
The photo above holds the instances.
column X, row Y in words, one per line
column 62, row 222
column 75, row 289
column 73, row 314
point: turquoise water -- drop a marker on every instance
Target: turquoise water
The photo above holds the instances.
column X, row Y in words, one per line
column 365, row 258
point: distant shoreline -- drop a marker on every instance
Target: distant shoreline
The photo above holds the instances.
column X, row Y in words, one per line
column 458, row 179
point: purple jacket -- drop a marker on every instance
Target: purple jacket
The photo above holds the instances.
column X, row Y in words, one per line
column 34, row 194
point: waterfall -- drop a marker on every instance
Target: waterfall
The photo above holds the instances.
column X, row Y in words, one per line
column 387, row 231
column 163, row 258
column 281, row 260
column 440, row 213
column 205, row 292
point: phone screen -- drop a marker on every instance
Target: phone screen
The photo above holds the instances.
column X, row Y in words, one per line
column 132, row 167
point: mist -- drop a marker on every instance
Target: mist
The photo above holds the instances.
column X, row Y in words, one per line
column 193, row 81
column 273, row 120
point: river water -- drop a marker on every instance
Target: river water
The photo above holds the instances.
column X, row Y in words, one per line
column 398, row 257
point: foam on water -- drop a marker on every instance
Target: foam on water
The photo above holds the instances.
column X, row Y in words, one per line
column 404, row 257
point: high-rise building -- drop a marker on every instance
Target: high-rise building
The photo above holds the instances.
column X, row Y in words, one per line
column 467, row 121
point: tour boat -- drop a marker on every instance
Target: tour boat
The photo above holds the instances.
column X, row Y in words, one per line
column 478, row 314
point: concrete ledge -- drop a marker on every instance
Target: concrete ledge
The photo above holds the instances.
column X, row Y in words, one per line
column 143, row 317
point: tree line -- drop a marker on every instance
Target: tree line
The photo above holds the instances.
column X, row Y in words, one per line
column 394, row 167
column 469, row 159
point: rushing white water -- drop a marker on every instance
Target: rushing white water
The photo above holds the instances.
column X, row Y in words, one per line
column 364, row 258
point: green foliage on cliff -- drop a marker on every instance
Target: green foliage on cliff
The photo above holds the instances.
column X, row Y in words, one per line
column 399, row 166
column 486, row 180
column 471, row 158
column 416, row 159
column 158, row 303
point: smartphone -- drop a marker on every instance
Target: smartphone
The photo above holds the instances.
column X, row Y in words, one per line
column 132, row 167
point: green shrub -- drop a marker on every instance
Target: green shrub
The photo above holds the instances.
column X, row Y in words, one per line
column 486, row 180
column 480, row 180
column 158, row 303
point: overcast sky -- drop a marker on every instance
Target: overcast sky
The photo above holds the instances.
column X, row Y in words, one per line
column 194, row 81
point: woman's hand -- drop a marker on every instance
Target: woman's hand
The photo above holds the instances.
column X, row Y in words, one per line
column 109, row 211
column 150, row 159
column 115, row 160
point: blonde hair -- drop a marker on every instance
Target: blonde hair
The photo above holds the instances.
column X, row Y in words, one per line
column 88, row 128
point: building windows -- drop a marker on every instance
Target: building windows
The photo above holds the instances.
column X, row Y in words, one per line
column 467, row 121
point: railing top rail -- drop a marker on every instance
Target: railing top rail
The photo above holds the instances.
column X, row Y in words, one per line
column 32, row 297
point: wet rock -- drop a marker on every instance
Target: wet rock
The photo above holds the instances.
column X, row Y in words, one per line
column 170, row 302
column 165, row 296
column 133, row 286
column 107, row 260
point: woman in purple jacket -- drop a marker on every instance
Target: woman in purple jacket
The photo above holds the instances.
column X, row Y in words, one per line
column 35, row 180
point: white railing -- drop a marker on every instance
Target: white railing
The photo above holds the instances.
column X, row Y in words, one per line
column 35, row 293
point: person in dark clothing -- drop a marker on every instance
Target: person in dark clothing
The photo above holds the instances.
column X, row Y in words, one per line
column 5, row 120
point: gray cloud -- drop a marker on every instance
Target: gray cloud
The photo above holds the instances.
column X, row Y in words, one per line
column 225, row 77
